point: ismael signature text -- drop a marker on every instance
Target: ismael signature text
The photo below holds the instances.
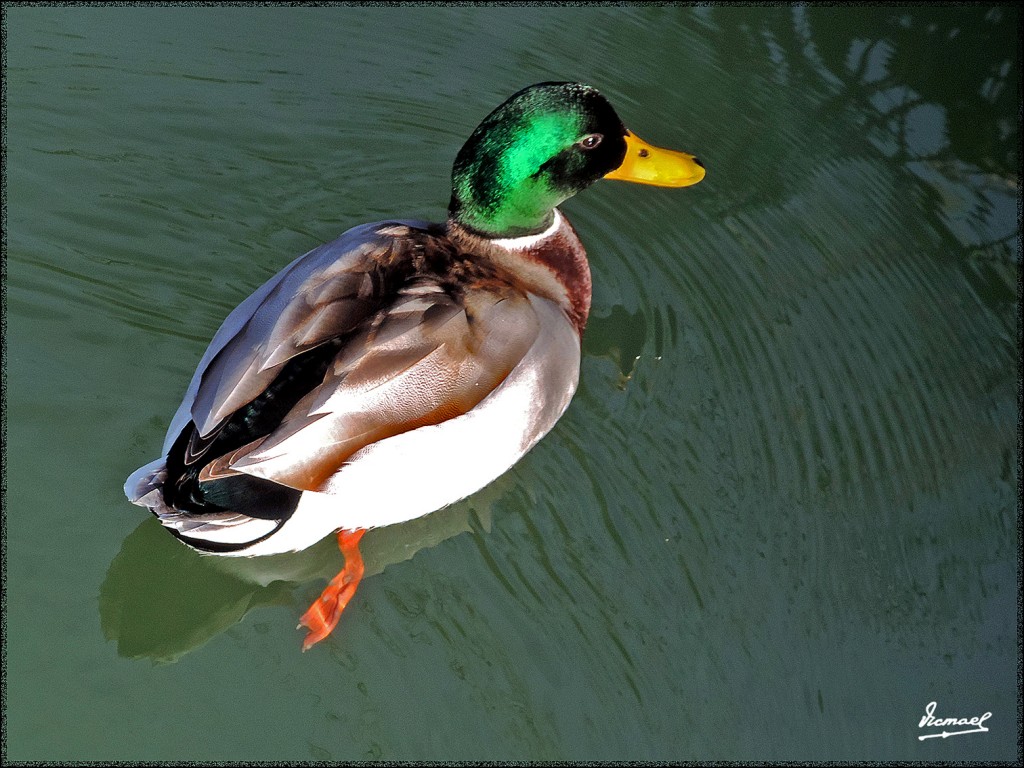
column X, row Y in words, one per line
column 930, row 721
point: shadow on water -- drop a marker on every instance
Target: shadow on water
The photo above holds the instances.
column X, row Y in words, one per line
column 161, row 600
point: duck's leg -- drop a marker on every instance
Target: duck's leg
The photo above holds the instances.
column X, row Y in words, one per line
column 323, row 615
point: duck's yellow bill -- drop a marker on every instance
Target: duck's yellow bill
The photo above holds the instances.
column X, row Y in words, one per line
column 647, row 164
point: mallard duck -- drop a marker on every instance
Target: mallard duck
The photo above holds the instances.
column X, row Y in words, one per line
column 404, row 365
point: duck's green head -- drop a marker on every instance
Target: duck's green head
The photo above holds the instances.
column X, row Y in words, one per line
column 542, row 146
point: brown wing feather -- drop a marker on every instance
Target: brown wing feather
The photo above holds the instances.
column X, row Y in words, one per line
column 427, row 358
column 326, row 294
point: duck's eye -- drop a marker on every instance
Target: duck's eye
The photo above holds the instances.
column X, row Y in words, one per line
column 591, row 141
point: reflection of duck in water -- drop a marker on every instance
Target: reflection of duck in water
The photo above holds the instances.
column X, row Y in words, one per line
column 404, row 365
column 161, row 600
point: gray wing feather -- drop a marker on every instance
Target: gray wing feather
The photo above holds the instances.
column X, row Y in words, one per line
column 270, row 326
column 427, row 358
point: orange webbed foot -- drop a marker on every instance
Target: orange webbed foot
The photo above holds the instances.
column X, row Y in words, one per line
column 323, row 615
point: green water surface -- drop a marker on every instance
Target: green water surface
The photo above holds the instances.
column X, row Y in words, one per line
column 779, row 517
